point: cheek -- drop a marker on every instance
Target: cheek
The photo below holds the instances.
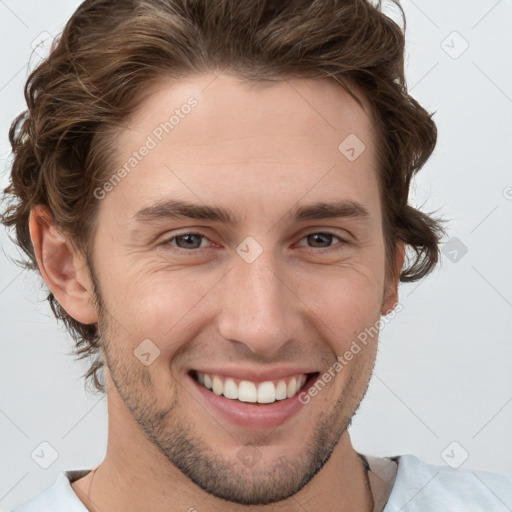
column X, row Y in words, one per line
column 345, row 303
column 158, row 305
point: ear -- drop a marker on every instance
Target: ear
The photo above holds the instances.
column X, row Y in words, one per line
column 393, row 278
column 62, row 267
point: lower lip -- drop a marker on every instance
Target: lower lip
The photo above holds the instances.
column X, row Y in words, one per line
column 251, row 415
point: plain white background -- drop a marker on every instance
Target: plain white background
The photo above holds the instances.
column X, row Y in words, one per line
column 442, row 387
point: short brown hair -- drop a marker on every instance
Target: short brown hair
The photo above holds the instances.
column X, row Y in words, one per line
column 111, row 51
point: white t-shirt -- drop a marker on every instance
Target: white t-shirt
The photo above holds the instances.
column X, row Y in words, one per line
column 399, row 484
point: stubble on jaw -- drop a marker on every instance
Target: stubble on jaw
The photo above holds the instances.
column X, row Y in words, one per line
column 227, row 479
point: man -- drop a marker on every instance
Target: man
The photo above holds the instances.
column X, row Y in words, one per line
column 216, row 195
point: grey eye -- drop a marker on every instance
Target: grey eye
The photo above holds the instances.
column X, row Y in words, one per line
column 188, row 241
column 320, row 239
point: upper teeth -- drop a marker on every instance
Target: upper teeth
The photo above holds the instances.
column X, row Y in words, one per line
column 247, row 391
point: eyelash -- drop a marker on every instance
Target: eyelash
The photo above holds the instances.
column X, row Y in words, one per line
column 168, row 241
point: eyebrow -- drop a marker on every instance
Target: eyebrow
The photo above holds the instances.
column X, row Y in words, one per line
column 172, row 209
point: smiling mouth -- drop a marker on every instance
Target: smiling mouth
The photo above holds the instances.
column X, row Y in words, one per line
column 266, row 392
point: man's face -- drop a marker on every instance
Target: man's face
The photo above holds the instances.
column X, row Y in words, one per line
column 266, row 299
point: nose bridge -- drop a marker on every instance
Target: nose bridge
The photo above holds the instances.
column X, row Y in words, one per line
column 257, row 307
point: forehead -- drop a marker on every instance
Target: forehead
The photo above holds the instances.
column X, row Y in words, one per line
column 226, row 103
column 214, row 137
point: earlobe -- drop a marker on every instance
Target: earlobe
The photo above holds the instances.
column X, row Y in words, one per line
column 391, row 291
column 62, row 267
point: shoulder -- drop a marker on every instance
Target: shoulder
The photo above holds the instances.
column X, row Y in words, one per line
column 422, row 487
column 59, row 497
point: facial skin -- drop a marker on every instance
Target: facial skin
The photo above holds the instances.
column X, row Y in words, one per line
column 259, row 151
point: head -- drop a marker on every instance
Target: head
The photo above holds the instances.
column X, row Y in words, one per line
column 175, row 181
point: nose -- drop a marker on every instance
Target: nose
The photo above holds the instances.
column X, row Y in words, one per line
column 258, row 307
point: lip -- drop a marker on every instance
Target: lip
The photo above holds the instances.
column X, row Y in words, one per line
column 251, row 416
